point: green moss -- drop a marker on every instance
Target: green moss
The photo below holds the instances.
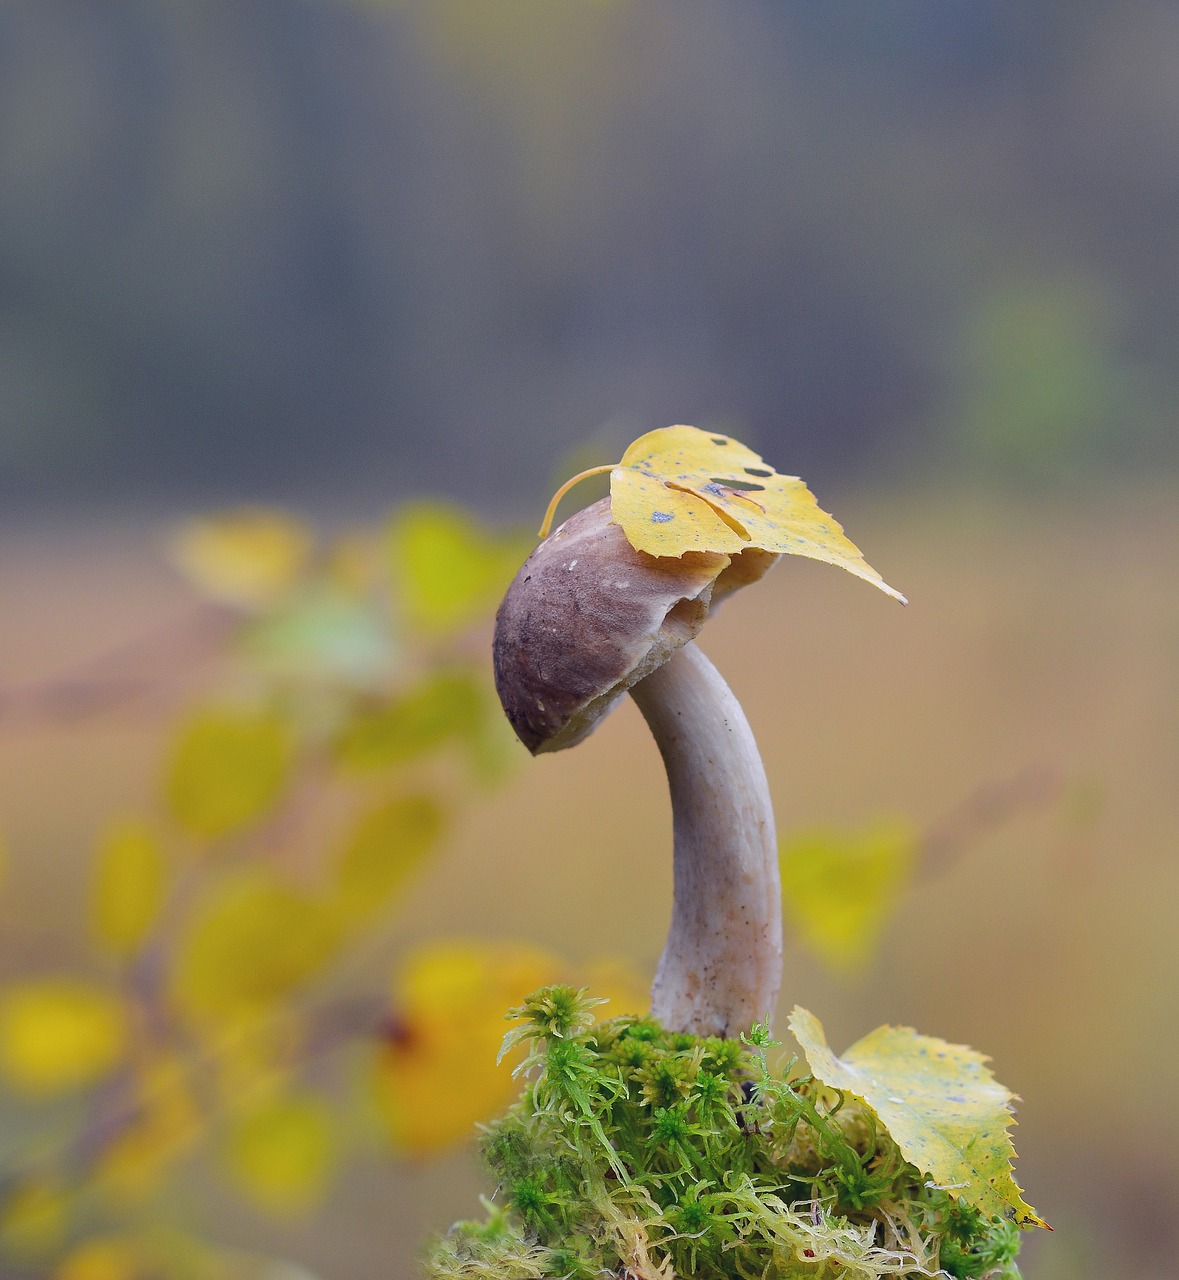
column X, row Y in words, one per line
column 638, row 1151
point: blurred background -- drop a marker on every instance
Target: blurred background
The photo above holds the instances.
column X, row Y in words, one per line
column 338, row 257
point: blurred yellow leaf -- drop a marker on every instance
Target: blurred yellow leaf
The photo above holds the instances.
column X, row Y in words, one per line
column 247, row 557
column 437, row 1076
column 58, row 1034
column 680, row 489
column 448, row 570
column 941, row 1104
column 839, row 888
column 618, row 985
column 129, row 875
column 226, row 769
column 447, row 706
column 252, row 940
column 383, row 850
column 166, row 1125
column 33, row 1217
column 109, row 1258
column 282, row 1151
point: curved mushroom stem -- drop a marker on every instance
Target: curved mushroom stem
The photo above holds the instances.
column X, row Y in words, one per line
column 722, row 963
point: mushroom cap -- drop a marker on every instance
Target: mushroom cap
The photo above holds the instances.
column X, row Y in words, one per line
column 588, row 616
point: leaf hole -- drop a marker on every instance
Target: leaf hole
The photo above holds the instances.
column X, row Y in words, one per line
column 742, row 486
column 758, row 471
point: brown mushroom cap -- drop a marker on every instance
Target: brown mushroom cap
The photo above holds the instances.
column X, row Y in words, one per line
column 588, row 616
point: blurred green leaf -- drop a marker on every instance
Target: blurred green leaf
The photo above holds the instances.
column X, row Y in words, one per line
column 323, row 634
column 444, row 708
column 129, row 878
column 447, row 570
column 281, row 1152
column 252, row 940
column 1044, row 388
column 33, row 1217
column 839, row 888
column 939, row 1101
column 383, row 850
column 226, row 769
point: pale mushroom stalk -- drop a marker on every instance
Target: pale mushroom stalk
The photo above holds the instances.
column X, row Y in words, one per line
column 721, row 965
column 587, row 619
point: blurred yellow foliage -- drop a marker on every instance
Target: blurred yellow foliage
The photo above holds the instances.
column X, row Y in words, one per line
column 33, row 1218
column 128, row 886
column 58, row 1034
column 446, row 707
column 437, row 1075
column 840, row 887
column 226, row 769
column 447, row 569
column 247, row 557
column 253, row 939
column 383, row 850
column 282, row 1151
column 167, row 1124
column 108, row 1258
column 618, row 985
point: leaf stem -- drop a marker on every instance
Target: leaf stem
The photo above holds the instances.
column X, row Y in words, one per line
column 564, row 489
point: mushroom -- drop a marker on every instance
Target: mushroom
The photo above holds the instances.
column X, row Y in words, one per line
column 587, row 619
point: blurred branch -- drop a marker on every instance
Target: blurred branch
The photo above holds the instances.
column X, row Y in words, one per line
column 156, row 662
column 985, row 810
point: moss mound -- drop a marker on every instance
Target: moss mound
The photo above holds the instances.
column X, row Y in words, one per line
column 643, row 1153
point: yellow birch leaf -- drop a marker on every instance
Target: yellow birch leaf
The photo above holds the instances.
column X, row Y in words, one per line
column 33, row 1217
column 942, row 1106
column 226, row 769
column 128, row 888
column 680, row 489
column 447, row 569
column 59, row 1034
column 253, row 940
column 383, row 851
column 839, row 888
column 437, row 1075
column 282, row 1151
column 247, row 557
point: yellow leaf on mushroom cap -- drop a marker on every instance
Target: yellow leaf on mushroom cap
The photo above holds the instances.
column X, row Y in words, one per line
column 680, row 489
column 940, row 1103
